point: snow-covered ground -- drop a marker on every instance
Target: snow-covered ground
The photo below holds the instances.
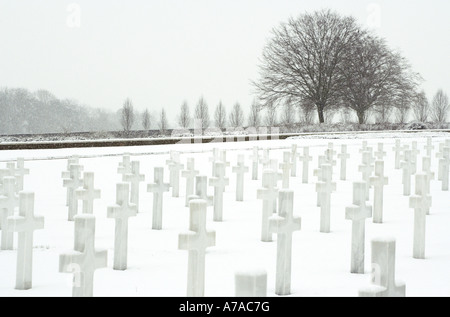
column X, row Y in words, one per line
column 320, row 261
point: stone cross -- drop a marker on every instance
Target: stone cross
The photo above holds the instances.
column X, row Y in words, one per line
column 324, row 188
column 426, row 169
column 284, row 224
column 294, row 156
column 380, row 154
column 20, row 172
column 250, row 283
column 358, row 213
column 255, row 157
column 134, row 178
column 305, row 158
column 175, row 167
column 8, row 202
column 25, row 223
column 421, row 202
column 121, row 211
column 329, row 157
column 366, row 170
column 124, row 166
column 286, row 167
column 73, row 183
column 414, row 153
column 66, row 174
column 265, row 159
column 397, row 148
column 331, row 148
column 88, row 193
column 158, row 188
column 223, row 159
column 240, row 169
column 439, row 156
column 219, row 181
column 201, row 190
column 378, row 181
column 407, row 167
column 383, row 275
column 429, row 147
column 364, row 147
column 444, row 163
column 85, row 258
column 215, row 157
column 189, row 173
column 196, row 241
column 3, row 173
column 343, row 156
column 268, row 194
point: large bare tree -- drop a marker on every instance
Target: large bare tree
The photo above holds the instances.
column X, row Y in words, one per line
column 220, row 116
column 440, row 107
column 236, row 118
column 127, row 115
column 202, row 113
column 146, row 120
column 421, row 107
column 374, row 76
column 254, row 117
column 301, row 60
column 184, row 119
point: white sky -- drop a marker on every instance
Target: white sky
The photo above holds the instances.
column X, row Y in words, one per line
column 161, row 52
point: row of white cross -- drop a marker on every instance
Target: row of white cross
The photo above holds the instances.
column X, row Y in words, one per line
column 85, row 259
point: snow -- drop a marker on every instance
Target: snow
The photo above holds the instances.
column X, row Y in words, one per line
column 320, row 261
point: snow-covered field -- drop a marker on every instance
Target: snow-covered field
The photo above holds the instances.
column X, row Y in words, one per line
column 320, row 261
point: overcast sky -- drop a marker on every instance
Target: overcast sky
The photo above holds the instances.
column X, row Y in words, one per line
column 161, row 52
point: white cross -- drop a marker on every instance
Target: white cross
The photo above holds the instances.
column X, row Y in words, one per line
column 255, row 157
column 121, row 211
column 264, row 159
column 284, row 224
column 397, row 148
column 378, row 181
column 358, row 213
column 219, row 181
column 196, row 241
column 189, row 173
column 305, row 158
column 20, row 172
column 74, row 160
column 407, row 167
column 240, row 169
column 214, row 158
column 324, row 188
column 364, row 147
column 331, row 148
column 426, row 169
column 85, row 259
column 444, row 163
column 201, row 190
column 25, row 223
column 414, row 153
column 383, row 271
column 380, row 154
column 286, row 167
column 124, row 166
column 294, row 157
column 175, row 168
column 268, row 194
column 343, row 156
column 366, row 170
column 429, row 146
column 88, row 193
column 134, row 178
column 73, row 183
column 8, row 202
column 223, row 159
column 421, row 202
column 158, row 188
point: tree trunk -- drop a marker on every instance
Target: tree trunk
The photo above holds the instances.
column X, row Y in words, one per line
column 360, row 115
column 320, row 113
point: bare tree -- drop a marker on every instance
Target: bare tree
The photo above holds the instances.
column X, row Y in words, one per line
column 402, row 112
column 127, row 115
column 271, row 116
column 302, row 58
column 220, row 116
column 287, row 119
column 236, row 118
column 421, row 107
column 440, row 107
column 306, row 112
column 383, row 113
column 162, row 124
column 202, row 113
column 146, row 120
column 184, row 119
column 374, row 75
column 254, row 117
